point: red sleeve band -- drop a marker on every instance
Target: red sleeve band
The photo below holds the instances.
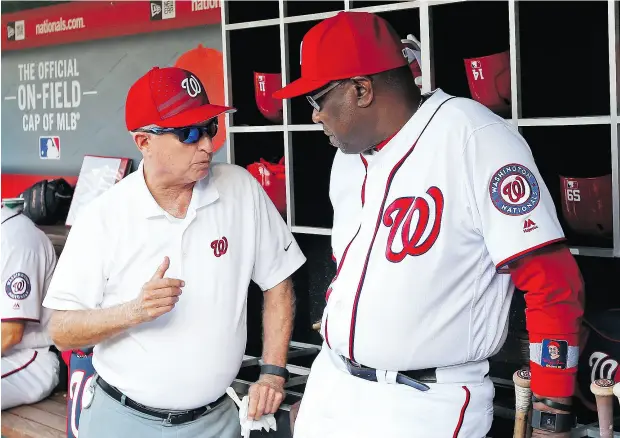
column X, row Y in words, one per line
column 554, row 297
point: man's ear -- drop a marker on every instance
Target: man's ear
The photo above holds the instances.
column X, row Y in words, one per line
column 363, row 90
column 142, row 140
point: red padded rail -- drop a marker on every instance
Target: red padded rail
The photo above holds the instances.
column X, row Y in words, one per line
column 13, row 184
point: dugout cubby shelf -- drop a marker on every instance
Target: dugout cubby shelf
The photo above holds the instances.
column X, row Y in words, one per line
column 296, row 8
column 313, row 280
column 562, row 96
column 247, row 57
column 253, row 11
column 312, row 161
column 467, row 31
column 564, row 59
column 559, row 152
column 248, row 148
column 300, row 110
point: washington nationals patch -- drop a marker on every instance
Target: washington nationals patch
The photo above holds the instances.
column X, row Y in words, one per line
column 514, row 190
column 18, row 286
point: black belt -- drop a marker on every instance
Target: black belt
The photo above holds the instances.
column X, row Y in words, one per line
column 170, row 417
column 414, row 378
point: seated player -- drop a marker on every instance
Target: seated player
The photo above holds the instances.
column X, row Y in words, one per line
column 30, row 371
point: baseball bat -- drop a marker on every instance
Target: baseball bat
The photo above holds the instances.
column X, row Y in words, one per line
column 603, row 390
column 617, row 391
column 523, row 399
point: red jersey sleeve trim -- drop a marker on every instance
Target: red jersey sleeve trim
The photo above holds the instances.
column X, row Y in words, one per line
column 20, row 319
column 503, row 265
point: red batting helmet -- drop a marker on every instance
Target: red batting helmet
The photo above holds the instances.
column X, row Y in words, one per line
column 587, row 205
column 272, row 177
column 489, row 80
column 265, row 84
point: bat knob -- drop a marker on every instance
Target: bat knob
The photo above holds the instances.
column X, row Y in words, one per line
column 522, row 378
column 617, row 390
column 602, row 387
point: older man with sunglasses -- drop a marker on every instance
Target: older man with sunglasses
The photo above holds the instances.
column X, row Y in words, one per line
column 155, row 274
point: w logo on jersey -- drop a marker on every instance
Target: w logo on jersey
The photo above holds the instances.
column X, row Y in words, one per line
column 399, row 216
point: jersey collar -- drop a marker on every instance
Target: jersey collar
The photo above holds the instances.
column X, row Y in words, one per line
column 205, row 192
column 384, row 143
column 8, row 213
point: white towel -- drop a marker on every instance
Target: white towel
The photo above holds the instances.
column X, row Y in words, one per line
column 266, row 422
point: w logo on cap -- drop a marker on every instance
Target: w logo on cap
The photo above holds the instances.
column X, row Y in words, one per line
column 191, row 85
column 185, row 92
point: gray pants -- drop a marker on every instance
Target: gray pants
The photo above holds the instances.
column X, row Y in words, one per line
column 107, row 418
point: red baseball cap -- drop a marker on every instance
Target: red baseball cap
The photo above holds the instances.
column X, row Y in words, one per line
column 346, row 45
column 169, row 97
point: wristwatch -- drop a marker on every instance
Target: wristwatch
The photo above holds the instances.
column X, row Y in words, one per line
column 544, row 420
column 275, row 370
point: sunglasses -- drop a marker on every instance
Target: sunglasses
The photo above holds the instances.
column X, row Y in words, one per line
column 323, row 92
column 188, row 134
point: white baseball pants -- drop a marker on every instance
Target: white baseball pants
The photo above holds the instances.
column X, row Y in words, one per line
column 28, row 376
column 337, row 404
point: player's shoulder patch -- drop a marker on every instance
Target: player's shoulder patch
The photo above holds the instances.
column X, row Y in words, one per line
column 514, row 190
column 18, row 286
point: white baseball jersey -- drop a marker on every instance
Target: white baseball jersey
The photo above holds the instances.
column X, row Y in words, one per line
column 232, row 233
column 421, row 229
column 28, row 262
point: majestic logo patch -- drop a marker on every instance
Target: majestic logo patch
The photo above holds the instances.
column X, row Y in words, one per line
column 18, row 286
column 514, row 190
column 529, row 225
column 398, row 217
column 554, row 353
column 219, row 246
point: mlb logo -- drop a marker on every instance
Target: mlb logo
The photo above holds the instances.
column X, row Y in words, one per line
column 162, row 10
column 49, row 148
column 571, row 184
column 475, row 64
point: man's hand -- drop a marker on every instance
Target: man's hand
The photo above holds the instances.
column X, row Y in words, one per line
column 158, row 296
column 265, row 396
column 536, row 433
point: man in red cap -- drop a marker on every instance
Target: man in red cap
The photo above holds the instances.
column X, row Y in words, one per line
column 155, row 274
column 439, row 211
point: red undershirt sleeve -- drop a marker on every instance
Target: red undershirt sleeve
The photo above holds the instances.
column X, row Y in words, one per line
column 554, row 296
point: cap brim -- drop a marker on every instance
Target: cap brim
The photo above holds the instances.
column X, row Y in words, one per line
column 195, row 116
column 299, row 87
